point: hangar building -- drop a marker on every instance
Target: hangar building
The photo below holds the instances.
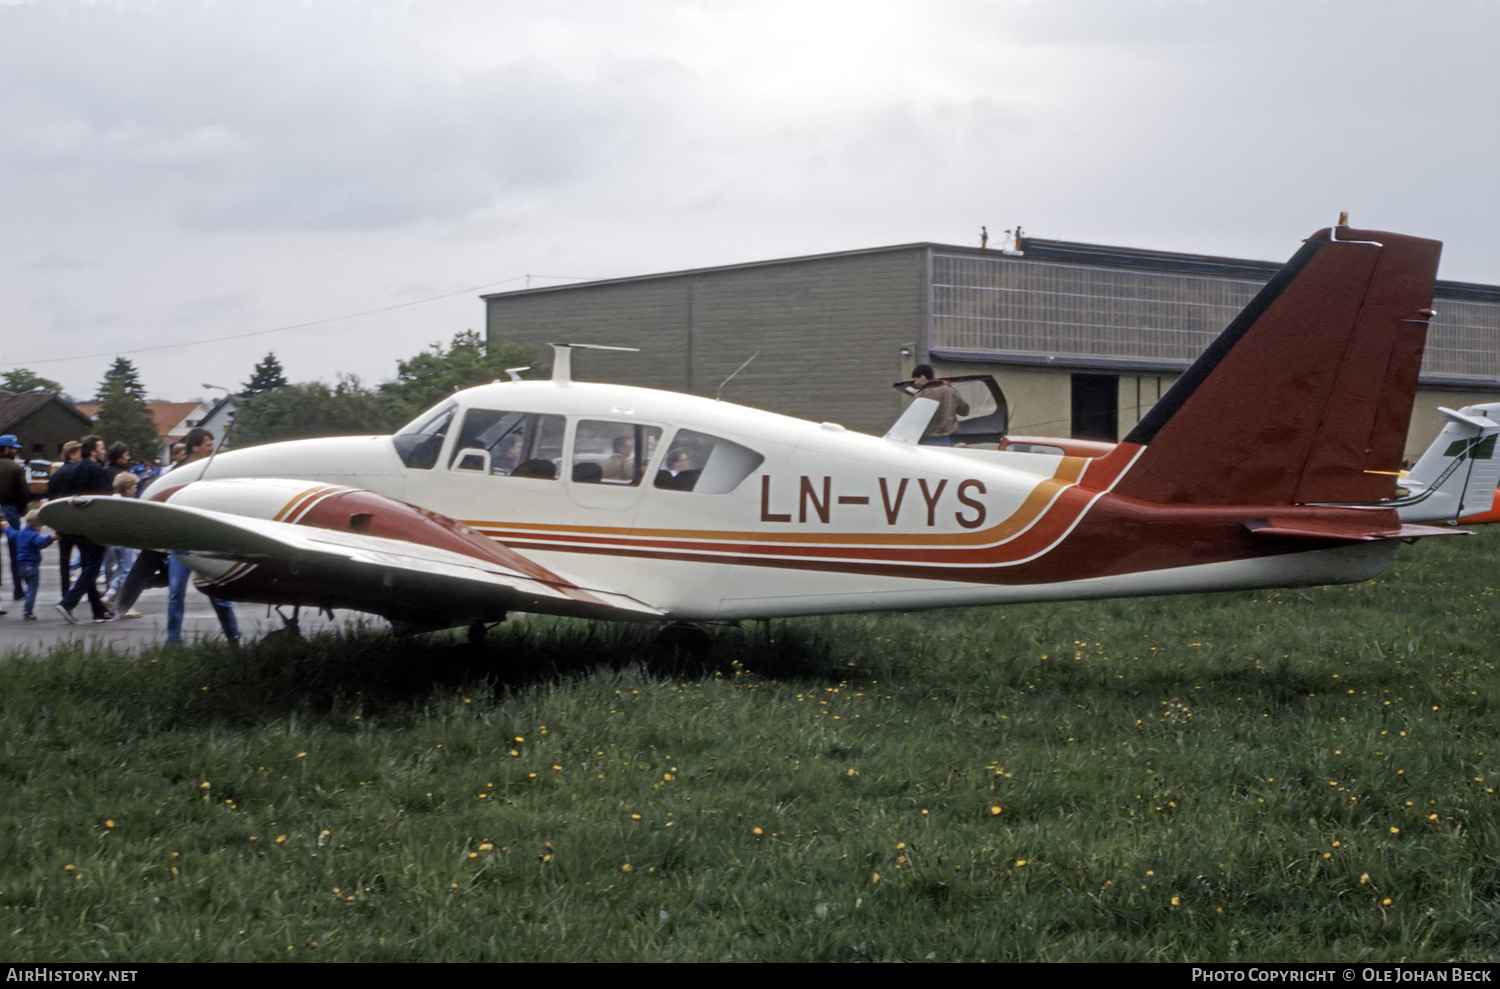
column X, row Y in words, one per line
column 1083, row 338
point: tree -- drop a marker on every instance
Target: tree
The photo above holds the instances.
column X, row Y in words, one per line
column 436, row 373
column 123, row 416
column 268, row 376
column 312, row 409
column 20, row 379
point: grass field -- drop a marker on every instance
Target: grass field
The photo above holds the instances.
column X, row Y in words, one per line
column 1267, row 776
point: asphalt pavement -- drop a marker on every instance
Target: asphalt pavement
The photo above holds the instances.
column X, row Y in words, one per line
column 51, row 629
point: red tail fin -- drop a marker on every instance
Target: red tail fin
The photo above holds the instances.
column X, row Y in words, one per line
column 1307, row 391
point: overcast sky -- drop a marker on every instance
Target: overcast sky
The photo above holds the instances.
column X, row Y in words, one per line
column 180, row 181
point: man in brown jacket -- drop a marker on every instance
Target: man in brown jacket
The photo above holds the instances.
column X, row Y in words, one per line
column 951, row 405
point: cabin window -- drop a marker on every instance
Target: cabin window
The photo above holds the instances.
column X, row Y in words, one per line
column 419, row 444
column 706, row 464
column 516, row 444
column 612, row 452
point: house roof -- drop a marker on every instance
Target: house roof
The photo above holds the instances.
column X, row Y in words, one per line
column 15, row 408
column 167, row 416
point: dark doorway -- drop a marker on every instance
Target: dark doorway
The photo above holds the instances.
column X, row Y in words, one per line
column 1096, row 407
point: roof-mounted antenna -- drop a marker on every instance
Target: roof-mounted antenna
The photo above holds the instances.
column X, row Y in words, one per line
column 562, row 358
column 514, row 373
column 737, row 370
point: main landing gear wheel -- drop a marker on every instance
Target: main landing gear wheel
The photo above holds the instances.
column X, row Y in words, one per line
column 291, row 628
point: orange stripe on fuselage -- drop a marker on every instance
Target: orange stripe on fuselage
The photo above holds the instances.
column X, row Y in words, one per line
column 1046, row 514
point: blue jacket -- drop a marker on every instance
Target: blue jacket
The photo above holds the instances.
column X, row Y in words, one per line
column 27, row 544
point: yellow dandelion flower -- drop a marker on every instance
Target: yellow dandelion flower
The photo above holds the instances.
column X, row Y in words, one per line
column 281, row 839
column 1364, row 877
column 1395, row 830
column 757, row 832
column 874, row 877
column 625, row 867
column 1176, row 901
column 1387, row 901
column 111, row 823
column 996, row 810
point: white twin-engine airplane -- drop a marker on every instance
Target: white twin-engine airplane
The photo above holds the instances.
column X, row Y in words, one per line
column 1271, row 463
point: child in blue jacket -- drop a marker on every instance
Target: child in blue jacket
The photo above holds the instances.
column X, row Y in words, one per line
column 26, row 547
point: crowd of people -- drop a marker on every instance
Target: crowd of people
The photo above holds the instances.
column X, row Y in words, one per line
column 111, row 579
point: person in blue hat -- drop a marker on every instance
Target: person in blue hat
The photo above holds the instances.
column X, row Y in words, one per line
column 15, row 496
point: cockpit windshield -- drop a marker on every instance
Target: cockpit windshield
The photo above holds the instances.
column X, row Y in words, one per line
column 419, row 443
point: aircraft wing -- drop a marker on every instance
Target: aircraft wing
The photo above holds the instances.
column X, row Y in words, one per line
column 242, row 558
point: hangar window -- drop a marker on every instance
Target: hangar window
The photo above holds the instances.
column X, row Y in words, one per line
column 518, row 444
column 706, row 464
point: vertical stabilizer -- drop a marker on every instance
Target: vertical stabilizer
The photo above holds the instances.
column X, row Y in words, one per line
column 1306, row 396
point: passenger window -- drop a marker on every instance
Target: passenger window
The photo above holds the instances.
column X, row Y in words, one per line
column 612, row 452
column 518, row 444
column 419, row 444
column 705, row 464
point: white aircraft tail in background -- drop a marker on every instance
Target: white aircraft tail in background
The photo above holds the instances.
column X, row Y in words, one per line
column 1456, row 478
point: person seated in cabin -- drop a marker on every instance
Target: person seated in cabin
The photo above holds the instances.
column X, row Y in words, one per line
column 620, row 467
column 539, row 467
column 588, row 472
column 678, row 472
